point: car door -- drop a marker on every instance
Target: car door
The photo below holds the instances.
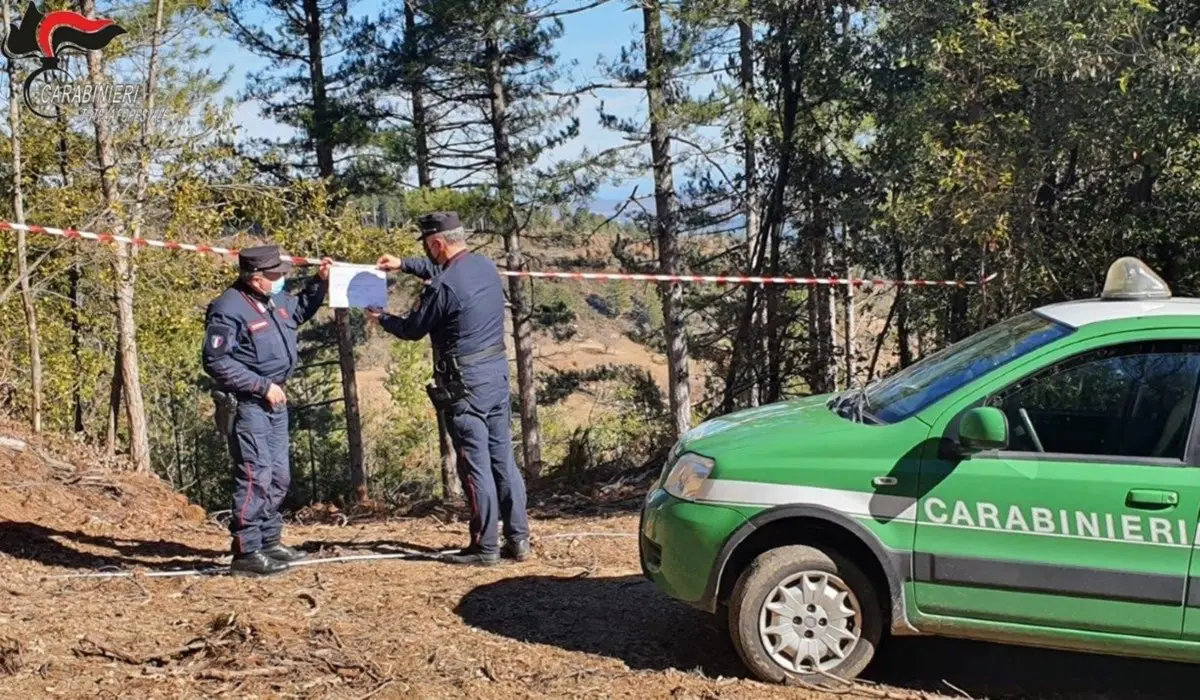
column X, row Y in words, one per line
column 1087, row 519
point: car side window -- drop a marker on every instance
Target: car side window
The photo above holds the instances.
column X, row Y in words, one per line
column 1131, row 400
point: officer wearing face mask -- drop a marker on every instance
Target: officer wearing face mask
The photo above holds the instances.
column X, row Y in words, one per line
column 250, row 353
column 462, row 310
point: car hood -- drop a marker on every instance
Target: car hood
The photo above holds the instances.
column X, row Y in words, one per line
column 784, row 421
column 803, row 441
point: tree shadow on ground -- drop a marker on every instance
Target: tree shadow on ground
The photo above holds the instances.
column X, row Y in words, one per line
column 1005, row 672
column 33, row 542
column 624, row 618
column 627, row 618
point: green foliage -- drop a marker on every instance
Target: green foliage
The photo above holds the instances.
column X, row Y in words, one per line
column 647, row 312
column 556, row 309
column 405, row 449
column 312, row 83
column 1068, row 154
column 471, row 204
column 917, row 138
column 618, row 298
column 620, row 437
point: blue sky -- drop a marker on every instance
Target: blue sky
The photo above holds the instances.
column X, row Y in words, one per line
column 601, row 31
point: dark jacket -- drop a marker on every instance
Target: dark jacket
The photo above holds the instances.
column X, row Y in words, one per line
column 461, row 309
column 250, row 340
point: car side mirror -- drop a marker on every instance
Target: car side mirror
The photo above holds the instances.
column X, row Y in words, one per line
column 983, row 428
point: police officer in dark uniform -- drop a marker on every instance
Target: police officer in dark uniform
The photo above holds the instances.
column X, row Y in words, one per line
column 250, row 352
column 462, row 309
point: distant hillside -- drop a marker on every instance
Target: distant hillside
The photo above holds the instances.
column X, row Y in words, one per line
column 607, row 206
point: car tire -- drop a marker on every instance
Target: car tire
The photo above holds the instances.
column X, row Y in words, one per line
column 841, row 603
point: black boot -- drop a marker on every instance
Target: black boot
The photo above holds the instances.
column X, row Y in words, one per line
column 471, row 556
column 517, row 549
column 278, row 552
column 256, row 564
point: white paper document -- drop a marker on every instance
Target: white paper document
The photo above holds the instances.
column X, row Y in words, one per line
column 357, row 287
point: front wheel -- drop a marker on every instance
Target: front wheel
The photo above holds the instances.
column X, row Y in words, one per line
column 802, row 613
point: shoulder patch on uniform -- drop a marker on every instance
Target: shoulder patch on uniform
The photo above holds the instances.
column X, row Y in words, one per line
column 257, row 326
column 219, row 340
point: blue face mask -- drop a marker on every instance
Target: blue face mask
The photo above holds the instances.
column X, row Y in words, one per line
column 277, row 286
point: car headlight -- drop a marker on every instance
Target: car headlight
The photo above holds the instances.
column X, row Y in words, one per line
column 688, row 475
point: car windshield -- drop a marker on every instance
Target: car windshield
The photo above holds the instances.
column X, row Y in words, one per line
column 917, row 386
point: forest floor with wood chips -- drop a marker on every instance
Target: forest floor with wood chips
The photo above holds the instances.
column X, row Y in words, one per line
column 578, row 620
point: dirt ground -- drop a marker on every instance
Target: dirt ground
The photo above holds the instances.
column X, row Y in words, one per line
column 576, row 621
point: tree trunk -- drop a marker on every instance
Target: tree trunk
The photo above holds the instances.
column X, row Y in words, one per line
column 753, row 316
column 175, row 423
column 957, row 317
column 112, row 435
column 322, row 128
column 753, row 224
column 451, row 485
column 135, row 408
column 143, row 173
column 775, row 327
column 903, row 342
column 416, row 90
column 74, row 277
column 323, row 145
column 664, row 218
column 848, row 314
column 828, row 314
column 18, row 202
column 822, row 365
column 143, row 177
column 789, row 110
column 521, row 311
column 879, row 340
column 358, row 461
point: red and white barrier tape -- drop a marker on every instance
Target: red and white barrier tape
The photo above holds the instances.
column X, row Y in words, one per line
column 603, row 276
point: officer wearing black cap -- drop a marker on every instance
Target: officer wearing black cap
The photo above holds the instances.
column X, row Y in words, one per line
column 462, row 309
column 250, row 352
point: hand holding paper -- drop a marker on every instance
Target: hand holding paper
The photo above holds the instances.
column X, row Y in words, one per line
column 357, row 287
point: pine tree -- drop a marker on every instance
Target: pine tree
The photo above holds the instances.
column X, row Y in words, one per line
column 339, row 137
column 490, row 65
column 18, row 205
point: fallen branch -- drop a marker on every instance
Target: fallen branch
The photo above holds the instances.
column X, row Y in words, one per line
column 13, row 444
column 218, row 675
column 90, row 647
column 57, row 464
column 378, row 688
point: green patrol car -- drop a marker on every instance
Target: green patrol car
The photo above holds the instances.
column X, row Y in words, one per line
column 1036, row 483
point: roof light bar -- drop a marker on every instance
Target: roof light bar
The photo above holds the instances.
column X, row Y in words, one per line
column 1131, row 279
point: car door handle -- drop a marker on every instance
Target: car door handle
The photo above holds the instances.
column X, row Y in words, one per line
column 1151, row 498
column 884, row 481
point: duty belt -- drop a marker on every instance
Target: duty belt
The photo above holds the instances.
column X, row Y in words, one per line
column 484, row 354
column 448, row 385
